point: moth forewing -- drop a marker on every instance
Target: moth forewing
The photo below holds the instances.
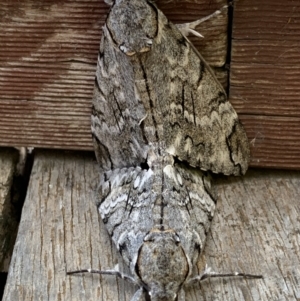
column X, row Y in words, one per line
column 167, row 96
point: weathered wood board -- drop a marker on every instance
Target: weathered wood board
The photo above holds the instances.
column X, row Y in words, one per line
column 264, row 79
column 8, row 221
column 255, row 229
column 48, row 55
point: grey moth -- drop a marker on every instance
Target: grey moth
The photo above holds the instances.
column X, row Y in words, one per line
column 160, row 120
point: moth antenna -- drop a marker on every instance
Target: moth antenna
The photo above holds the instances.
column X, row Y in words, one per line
column 189, row 28
column 106, row 272
column 208, row 273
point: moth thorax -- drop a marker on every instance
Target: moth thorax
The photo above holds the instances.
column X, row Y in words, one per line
column 162, row 265
column 132, row 25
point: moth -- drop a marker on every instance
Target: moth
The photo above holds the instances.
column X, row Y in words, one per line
column 160, row 120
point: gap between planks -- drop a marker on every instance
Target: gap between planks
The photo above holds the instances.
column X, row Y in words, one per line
column 8, row 218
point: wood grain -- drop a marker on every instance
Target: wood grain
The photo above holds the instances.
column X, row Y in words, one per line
column 255, row 229
column 271, row 136
column 8, row 221
column 59, row 231
column 264, row 79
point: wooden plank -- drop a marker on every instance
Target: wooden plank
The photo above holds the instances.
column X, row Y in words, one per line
column 8, row 221
column 273, row 139
column 255, row 230
column 59, row 231
column 265, row 76
column 48, row 55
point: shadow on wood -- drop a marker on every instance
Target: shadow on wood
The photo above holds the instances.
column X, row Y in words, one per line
column 8, row 218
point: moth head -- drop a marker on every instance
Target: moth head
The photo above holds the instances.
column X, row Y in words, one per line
column 162, row 265
column 133, row 25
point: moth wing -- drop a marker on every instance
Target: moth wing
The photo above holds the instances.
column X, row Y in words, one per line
column 126, row 201
column 190, row 206
column 117, row 111
column 200, row 125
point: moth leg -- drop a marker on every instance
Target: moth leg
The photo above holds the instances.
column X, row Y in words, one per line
column 190, row 28
column 106, row 272
column 139, row 295
column 208, row 273
column 181, row 295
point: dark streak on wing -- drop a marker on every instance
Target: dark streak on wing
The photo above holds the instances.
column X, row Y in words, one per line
column 162, row 204
column 101, row 149
column 150, row 102
column 98, row 87
column 186, row 137
column 142, row 127
column 190, row 200
column 114, row 228
column 230, row 149
column 111, row 35
column 182, row 100
column 156, row 16
column 194, row 113
column 116, row 100
column 100, row 54
column 208, row 191
column 215, row 102
column 202, row 66
column 117, row 120
column 127, row 201
column 182, row 41
column 96, row 113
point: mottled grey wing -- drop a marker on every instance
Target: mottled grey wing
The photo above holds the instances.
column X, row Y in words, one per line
column 127, row 197
column 167, row 98
column 134, row 201
column 117, row 111
column 190, row 206
column 200, row 125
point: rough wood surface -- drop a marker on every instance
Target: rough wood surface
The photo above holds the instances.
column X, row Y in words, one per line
column 8, row 222
column 274, row 140
column 264, row 78
column 255, row 229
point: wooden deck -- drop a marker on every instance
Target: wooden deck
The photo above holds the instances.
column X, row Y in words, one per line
column 255, row 230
